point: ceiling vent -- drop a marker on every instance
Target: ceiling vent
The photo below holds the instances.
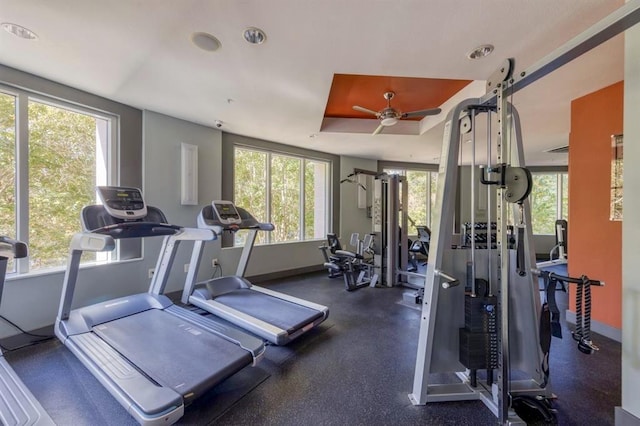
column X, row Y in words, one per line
column 558, row 150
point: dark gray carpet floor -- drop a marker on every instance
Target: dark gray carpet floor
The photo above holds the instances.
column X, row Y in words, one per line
column 355, row 369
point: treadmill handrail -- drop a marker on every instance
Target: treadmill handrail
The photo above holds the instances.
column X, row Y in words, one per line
column 88, row 241
column 13, row 248
column 137, row 229
column 168, row 253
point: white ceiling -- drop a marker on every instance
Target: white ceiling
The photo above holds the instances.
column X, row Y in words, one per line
column 139, row 52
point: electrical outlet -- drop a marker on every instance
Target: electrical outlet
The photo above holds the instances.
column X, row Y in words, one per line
column 151, row 272
column 186, row 267
column 214, row 262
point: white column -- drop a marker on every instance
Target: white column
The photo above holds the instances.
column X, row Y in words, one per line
column 629, row 413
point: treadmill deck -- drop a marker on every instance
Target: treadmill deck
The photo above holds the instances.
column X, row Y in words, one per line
column 286, row 315
column 173, row 352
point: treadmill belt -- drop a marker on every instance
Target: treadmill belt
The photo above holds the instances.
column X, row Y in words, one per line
column 173, row 352
column 286, row 315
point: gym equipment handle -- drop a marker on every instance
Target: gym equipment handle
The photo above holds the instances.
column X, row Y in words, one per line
column 450, row 281
column 17, row 248
column 576, row 280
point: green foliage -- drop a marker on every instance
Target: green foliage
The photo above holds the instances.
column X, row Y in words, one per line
column 315, row 202
column 250, row 187
column 62, row 155
column 417, row 188
column 544, row 203
column 62, row 178
column 284, row 198
column 7, row 165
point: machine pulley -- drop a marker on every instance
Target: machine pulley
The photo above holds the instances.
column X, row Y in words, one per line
column 516, row 180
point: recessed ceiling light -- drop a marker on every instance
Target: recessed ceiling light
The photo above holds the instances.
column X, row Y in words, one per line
column 205, row 41
column 480, row 51
column 19, row 31
column 254, row 35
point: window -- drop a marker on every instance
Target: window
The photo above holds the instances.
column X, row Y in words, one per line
column 290, row 191
column 49, row 170
column 617, row 154
column 549, row 201
column 421, row 188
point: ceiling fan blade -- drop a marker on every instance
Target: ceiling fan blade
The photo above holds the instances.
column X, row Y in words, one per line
column 422, row 113
column 365, row 110
column 378, row 130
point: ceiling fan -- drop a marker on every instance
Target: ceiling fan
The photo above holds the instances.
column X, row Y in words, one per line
column 390, row 116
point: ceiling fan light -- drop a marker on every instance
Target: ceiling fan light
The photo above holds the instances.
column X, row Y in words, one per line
column 389, row 121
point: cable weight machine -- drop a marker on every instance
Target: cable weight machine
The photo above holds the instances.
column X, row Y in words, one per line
column 519, row 343
column 492, row 323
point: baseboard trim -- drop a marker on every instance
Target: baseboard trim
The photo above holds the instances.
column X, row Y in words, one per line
column 625, row 418
column 597, row 327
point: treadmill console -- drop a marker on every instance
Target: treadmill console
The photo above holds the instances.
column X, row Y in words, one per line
column 123, row 203
column 226, row 213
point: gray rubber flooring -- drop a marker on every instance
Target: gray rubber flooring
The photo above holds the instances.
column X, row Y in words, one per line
column 355, row 369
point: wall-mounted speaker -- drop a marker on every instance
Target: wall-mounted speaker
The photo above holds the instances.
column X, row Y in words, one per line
column 189, row 174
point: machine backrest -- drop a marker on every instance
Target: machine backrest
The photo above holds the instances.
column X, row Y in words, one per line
column 424, row 233
column 96, row 216
column 355, row 239
column 333, row 242
column 562, row 228
column 368, row 242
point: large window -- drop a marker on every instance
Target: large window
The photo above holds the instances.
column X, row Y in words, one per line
column 549, row 201
column 421, row 188
column 52, row 156
column 292, row 192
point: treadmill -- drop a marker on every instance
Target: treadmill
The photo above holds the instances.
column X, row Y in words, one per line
column 17, row 405
column 151, row 355
column 276, row 317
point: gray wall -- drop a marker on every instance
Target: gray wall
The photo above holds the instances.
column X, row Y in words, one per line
column 163, row 136
column 352, row 218
column 631, row 230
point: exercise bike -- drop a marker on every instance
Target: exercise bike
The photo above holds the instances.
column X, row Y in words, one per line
column 357, row 267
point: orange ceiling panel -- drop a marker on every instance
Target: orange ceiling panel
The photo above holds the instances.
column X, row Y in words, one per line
column 411, row 94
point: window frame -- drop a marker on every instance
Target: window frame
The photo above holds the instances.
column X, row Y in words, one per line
column 23, row 97
column 303, row 158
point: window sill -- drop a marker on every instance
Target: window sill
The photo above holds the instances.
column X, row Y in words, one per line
column 316, row 241
column 62, row 269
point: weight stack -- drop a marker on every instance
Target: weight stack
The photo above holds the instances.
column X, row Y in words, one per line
column 479, row 337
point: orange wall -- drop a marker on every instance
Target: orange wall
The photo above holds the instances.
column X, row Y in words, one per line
column 595, row 242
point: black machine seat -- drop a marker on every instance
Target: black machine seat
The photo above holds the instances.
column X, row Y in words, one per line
column 349, row 254
column 333, row 242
